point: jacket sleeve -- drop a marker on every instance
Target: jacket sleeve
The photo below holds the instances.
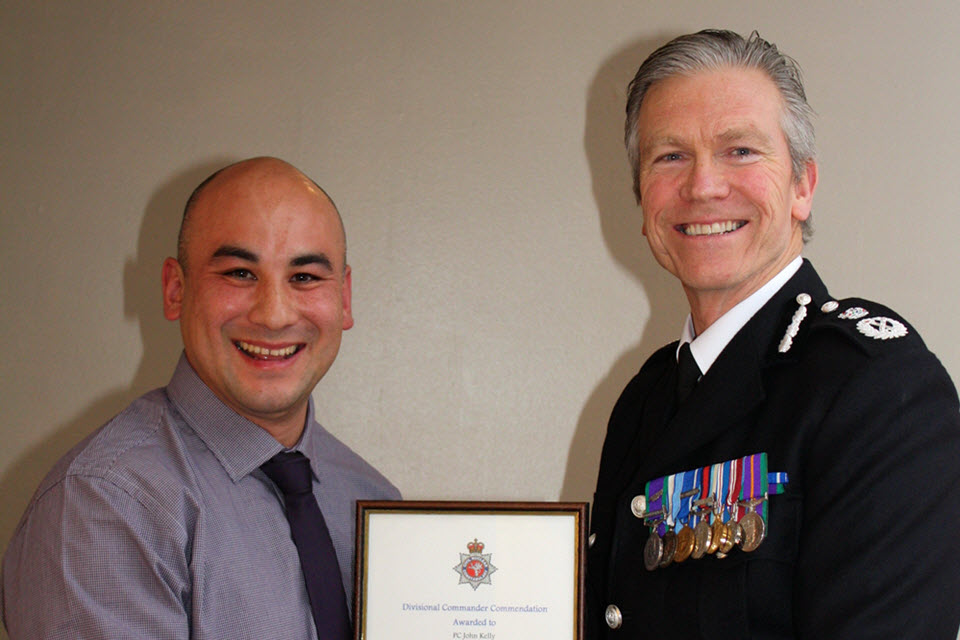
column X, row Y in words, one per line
column 878, row 556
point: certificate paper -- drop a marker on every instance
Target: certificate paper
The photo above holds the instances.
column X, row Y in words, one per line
column 469, row 570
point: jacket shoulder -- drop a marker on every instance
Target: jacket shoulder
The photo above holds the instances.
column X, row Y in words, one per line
column 871, row 328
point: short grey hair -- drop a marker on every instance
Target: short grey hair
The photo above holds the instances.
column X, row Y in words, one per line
column 713, row 49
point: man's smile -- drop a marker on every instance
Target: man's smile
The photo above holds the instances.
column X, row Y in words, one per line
column 265, row 353
column 711, row 229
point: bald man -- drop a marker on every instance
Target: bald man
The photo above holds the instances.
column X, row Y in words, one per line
column 162, row 524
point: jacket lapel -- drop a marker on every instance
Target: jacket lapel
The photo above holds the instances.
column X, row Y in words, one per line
column 641, row 414
column 734, row 385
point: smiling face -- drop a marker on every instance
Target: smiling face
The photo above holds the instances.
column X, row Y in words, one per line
column 264, row 294
column 721, row 206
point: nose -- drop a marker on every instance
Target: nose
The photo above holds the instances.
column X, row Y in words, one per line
column 704, row 181
column 273, row 307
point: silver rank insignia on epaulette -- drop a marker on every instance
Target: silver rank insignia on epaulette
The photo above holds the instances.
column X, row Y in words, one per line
column 876, row 327
column 794, row 327
column 880, row 328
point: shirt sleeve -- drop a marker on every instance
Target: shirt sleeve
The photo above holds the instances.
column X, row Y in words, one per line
column 878, row 556
column 94, row 560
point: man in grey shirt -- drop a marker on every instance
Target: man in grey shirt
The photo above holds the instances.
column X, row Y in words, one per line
column 161, row 524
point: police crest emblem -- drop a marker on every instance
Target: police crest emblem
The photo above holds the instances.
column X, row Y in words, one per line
column 475, row 567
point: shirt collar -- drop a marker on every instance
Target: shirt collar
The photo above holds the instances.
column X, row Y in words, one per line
column 240, row 445
column 707, row 346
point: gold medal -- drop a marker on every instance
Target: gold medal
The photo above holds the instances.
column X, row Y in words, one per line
column 723, row 537
column 719, row 531
column 685, row 543
column 652, row 551
column 702, row 534
column 727, row 541
column 669, row 548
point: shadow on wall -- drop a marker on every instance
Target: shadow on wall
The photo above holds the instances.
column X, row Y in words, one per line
column 160, row 340
column 620, row 223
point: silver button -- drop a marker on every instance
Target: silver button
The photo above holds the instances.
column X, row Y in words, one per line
column 639, row 505
column 803, row 299
column 613, row 616
column 591, row 539
column 830, row 306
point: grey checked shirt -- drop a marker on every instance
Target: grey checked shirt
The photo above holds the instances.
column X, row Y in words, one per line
column 161, row 525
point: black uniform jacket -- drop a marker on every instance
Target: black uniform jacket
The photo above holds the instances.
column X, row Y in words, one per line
column 865, row 543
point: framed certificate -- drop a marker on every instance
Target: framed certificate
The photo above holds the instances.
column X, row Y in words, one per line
column 469, row 570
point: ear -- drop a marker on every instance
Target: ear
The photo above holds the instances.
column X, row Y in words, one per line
column 347, row 296
column 172, row 280
column 803, row 192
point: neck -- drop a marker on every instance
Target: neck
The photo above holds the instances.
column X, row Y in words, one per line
column 285, row 435
column 708, row 306
column 287, row 429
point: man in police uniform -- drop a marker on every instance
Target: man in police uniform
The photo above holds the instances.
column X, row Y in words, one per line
column 802, row 480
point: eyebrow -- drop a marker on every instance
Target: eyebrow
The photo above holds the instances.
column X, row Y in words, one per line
column 312, row 258
column 744, row 133
column 230, row 251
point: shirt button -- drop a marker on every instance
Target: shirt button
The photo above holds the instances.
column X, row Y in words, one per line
column 638, row 505
column 613, row 616
column 591, row 540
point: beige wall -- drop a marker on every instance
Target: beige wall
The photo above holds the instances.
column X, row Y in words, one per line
column 503, row 292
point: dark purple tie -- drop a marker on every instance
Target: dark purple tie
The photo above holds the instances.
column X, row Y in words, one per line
column 291, row 473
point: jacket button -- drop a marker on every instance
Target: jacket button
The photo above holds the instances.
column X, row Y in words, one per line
column 591, row 540
column 613, row 616
column 638, row 505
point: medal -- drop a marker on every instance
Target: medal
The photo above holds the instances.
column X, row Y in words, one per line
column 685, row 544
column 717, row 528
column 671, row 496
column 669, row 549
column 722, row 542
column 702, row 536
column 652, row 551
column 753, row 494
column 656, row 501
column 685, row 537
column 754, row 531
column 725, row 533
column 702, row 533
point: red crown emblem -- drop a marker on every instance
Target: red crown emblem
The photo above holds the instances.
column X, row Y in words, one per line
column 475, row 547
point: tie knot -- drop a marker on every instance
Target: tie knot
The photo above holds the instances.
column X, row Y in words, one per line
column 290, row 471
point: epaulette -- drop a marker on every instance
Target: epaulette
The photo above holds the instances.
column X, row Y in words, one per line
column 870, row 325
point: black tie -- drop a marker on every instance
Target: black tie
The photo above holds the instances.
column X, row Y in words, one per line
column 291, row 473
column 688, row 373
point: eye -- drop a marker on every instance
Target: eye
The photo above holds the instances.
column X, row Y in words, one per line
column 669, row 157
column 240, row 274
column 303, row 277
column 742, row 152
